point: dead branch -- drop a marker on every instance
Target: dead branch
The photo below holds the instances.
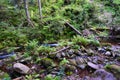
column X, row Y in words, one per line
column 63, row 49
column 73, row 28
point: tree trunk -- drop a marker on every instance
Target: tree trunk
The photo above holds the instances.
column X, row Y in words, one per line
column 40, row 9
column 27, row 13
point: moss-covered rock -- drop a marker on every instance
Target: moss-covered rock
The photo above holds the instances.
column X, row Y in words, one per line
column 47, row 62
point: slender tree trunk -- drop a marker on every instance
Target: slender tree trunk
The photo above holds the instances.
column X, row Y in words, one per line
column 27, row 12
column 40, row 9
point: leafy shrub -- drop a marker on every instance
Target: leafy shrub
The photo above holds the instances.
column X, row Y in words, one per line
column 12, row 37
column 80, row 40
column 84, row 41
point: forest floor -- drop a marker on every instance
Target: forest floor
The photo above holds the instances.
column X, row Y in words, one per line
column 68, row 62
column 74, row 40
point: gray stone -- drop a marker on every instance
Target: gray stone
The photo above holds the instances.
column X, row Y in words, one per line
column 108, row 53
column 104, row 75
column 81, row 66
column 21, row 68
column 92, row 65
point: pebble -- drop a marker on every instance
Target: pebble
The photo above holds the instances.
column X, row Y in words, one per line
column 92, row 65
column 101, row 50
column 63, row 54
column 108, row 53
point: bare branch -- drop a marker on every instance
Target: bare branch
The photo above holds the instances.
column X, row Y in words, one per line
column 72, row 27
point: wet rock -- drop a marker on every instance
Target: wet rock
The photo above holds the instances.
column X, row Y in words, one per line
column 86, row 78
column 103, row 75
column 21, row 68
column 92, row 65
column 95, row 59
column 82, row 66
column 116, row 53
column 71, row 52
column 101, row 50
column 58, row 55
column 108, row 53
column 79, row 60
column 115, row 48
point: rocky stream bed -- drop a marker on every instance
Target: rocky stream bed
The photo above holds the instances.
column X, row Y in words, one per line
column 68, row 63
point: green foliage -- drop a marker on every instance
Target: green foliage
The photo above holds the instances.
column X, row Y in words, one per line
column 32, row 45
column 116, row 1
column 80, row 13
column 44, row 49
column 64, row 61
column 65, row 43
column 80, row 40
column 31, row 77
column 5, row 76
column 31, row 49
column 15, row 31
column 84, row 41
column 95, row 42
column 12, row 37
column 50, row 77
column 76, row 47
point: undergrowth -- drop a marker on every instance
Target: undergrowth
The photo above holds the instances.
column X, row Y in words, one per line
column 82, row 14
column 16, row 32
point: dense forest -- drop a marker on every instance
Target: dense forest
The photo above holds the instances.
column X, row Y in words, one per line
column 59, row 39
